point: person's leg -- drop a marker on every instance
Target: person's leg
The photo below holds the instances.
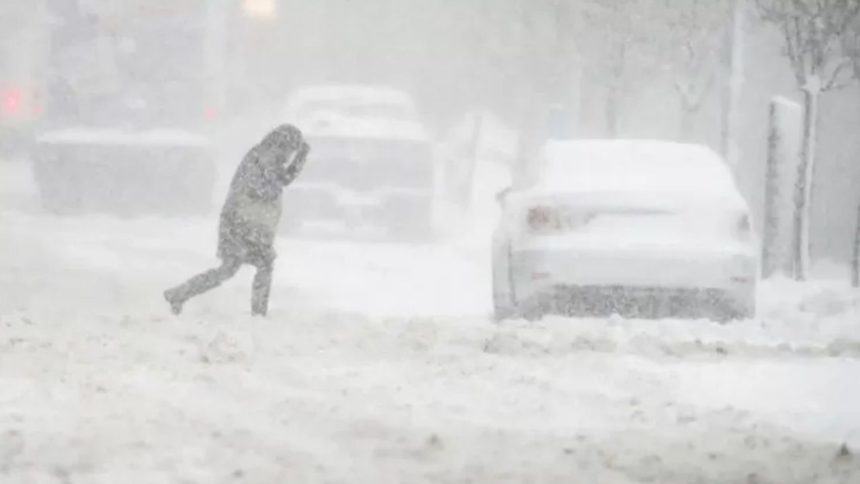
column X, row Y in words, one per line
column 201, row 283
column 262, row 287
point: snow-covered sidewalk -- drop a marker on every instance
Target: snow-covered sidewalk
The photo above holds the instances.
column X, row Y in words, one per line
column 379, row 364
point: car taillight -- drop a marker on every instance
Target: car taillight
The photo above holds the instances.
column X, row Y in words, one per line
column 12, row 101
column 544, row 219
column 211, row 114
column 552, row 219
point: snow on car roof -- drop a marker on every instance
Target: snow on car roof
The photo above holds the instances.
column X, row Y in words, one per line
column 365, row 129
column 635, row 165
column 323, row 111
column 349, row 93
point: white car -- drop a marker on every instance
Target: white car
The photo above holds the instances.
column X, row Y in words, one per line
column 634, row 228
column 372, row 164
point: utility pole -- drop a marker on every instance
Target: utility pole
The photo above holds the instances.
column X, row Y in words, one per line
column 734, row 85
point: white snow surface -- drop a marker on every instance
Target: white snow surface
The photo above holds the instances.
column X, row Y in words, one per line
column 379, row 363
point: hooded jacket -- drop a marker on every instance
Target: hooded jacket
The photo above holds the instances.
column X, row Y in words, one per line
column 252, row 211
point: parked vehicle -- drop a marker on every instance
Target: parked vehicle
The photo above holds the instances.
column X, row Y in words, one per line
column 635, row 228
column 132, row 91
column 372, row 166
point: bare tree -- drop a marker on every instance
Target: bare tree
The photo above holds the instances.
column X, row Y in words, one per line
column 528, row 46
column 611, row 30
column 812, row 31
column 634, row 39
column 851, row 46
column 690, row 43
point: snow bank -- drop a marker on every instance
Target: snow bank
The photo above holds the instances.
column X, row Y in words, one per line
column 318, row 396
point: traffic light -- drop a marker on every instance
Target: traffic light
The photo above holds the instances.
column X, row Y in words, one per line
column 12, row 101
column 260, row 9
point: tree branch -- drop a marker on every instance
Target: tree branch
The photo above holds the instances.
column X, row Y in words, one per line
column 837, row 72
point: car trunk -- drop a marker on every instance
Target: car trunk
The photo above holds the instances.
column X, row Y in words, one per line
column 628, row 220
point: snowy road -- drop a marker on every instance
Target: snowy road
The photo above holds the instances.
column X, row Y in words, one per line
column 379, row 364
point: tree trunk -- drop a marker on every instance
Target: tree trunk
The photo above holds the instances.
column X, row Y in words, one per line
column 733, row 84
column 855, row 260
column 531, row 137
column 613, row 95
column 468, row 181
column 612, row 112
column 804, row 185
column 770, row 232
column 688, row 120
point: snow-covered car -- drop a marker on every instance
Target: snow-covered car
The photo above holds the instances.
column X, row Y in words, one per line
column 129, row 109
column 372, row 164
column 125, row 172
column 634, row 228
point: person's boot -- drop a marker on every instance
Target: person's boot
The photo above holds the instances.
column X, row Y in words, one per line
column 259, row 304
column 261, row 312
column 260, row 292
column 174, row 300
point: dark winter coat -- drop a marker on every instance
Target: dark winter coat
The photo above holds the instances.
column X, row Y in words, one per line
column 250, row 216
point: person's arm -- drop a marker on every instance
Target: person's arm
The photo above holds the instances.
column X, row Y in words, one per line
column 292, row 171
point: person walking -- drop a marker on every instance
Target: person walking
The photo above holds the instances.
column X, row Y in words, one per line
column 250, row 217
